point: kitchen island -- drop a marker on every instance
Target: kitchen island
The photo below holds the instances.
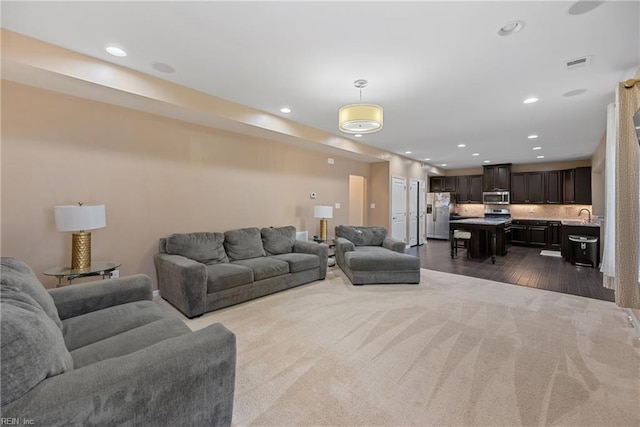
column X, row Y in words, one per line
column 489, row 236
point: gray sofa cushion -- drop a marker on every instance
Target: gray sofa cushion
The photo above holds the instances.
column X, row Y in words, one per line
column 101, row 324
column 362, row 236
column 244, row 243
column 207, row 248
column 18, row 274
column 32, row 347
column 278, row 240
column 299, row 262
column 265, row 267
column 225, row 276
column 129, row 341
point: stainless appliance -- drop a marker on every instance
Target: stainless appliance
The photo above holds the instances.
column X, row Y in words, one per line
column 501, row 214
column 439, row 207
column 495, row 197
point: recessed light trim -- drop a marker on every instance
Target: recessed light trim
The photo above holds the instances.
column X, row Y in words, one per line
column 407, row 152
column 583, row 6
column 475, row 154
column 530, row 100
column 444, row 164
column 163, row 68
column 358, row 135
column 532, row 136
column 285, row 110
column 511, row 28
column 462, row 145
column 116, row 51
column 487, row 161
column 426, row 159
column 575, row 92
column 536, row 148
column 539, row 157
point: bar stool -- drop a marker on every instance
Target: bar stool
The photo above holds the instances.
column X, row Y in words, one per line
column 464, row 237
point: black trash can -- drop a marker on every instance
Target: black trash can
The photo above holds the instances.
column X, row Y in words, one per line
column 584, row 250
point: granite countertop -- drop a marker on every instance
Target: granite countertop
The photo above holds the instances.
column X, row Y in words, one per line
column 564, row 221
column 480, row 221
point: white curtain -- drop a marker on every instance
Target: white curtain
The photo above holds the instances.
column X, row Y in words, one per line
column 608, row 266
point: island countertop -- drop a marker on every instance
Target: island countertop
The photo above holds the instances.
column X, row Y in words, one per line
column 480, row 221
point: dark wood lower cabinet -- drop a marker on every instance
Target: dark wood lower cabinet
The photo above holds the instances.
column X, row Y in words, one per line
column 534, row 233
column 519, row 234
column 538, row 235
column 554, row 239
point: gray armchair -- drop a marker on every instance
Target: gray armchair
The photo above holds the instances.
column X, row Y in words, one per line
column 367, row 256
column 103, row 353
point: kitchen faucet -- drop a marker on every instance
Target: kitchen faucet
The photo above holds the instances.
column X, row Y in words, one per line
column 588, row 211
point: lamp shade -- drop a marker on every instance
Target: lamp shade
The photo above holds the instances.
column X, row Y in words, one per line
column 77, row 218
column 360, row 118
column 323, row 211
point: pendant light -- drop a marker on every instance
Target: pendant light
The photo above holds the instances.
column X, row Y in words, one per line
column 360, row 118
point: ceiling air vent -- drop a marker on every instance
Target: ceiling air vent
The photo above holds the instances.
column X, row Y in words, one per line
column 578, row 62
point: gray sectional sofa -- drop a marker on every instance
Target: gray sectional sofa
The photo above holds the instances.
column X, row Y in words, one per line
column 368, row 256
column 201, row 272
column 102, row 353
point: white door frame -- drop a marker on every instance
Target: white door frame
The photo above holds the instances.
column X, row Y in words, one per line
column 399, row 209
column 414, row 211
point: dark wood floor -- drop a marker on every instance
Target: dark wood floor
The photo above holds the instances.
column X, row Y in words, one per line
column 521, row 266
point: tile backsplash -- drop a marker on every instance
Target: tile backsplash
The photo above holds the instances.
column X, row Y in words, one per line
column 529, row 211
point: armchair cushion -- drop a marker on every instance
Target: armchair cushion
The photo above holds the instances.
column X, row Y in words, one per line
column 18, row 274
column 244, row 243
column 278, row 240
column 362, row 236
column 32, row 347
column 206, row 248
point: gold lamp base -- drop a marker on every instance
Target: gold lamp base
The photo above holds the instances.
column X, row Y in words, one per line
column 323, row 229
column 81, row 250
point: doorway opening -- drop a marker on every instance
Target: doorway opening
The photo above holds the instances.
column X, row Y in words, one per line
column 357, row 200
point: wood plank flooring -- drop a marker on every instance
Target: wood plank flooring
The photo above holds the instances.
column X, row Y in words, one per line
column 521, row 266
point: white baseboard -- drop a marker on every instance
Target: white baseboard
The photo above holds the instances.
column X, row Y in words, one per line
column 633, row 320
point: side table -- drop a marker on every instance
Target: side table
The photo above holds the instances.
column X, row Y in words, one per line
column 98, row 268
column 331, row 242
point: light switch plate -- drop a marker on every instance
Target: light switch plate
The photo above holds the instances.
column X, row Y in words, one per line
column 337, row 205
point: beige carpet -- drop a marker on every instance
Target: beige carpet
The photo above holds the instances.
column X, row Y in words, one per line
column 453, row 350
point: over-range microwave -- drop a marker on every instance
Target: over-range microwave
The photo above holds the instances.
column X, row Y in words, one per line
column 495, row 197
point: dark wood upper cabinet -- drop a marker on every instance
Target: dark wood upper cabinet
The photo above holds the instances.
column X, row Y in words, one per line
column 582, row 186
column 462, row 189
column 436, row 184
column 568, row 191
column 527, row 187
column 475, row 188
column 553, row 186
column 450, row 183
column 497, row 177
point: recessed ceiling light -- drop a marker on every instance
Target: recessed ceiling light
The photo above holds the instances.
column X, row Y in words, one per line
column 637, row 127
column 163, row 68
column 427, row 158
column 583, row 6
column 407, row 152
column 475, row 154
column 285, row 110
column 444, row 164
column 537, row 148
column 575, row 92
column 462, row 145
column 511, row 28
column 533, row 136
column 358, row 135
column 115, row 51
column 487, row 161
column 539, row 157
column 530, row 100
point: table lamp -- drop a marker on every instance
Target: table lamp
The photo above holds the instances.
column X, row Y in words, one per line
column 80, row 218
column 323, row 212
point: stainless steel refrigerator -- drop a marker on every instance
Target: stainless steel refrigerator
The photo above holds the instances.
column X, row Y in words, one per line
column 439, row 207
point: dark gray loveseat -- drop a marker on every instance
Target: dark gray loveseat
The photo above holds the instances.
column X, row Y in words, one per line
column 103, row 354
column 201, row 272
column 368, row 256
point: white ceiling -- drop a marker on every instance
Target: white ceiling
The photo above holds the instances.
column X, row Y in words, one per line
column 440, row 70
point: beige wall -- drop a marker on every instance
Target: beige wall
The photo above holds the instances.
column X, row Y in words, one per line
column 379, row 194
column 155, row 175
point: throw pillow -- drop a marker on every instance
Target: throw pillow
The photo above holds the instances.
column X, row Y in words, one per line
column 244, row 243
column 207, row 248
column 16, row 273
column 278, row 240
column 32, row 346
column 362, row 236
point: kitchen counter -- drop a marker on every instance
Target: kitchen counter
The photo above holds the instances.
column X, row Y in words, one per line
column 564, row 221
column 484, row 232
column 480, row 221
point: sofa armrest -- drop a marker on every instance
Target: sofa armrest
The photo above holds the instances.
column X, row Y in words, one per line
column 394, row 245
column 182, row 282
column 189, row 379
column 343, row 246
column 319, row 249
column 82, row 298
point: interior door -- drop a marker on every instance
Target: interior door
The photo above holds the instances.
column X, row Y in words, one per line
column 413, row 212
column 422, row 217
column 399, row 209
